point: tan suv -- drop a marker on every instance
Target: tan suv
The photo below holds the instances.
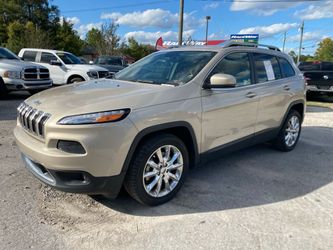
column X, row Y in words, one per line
column 160, row 117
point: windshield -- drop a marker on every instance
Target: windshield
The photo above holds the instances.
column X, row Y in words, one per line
column 7, row 54
column 167, row 67
column 109, row 61
column 69, row 58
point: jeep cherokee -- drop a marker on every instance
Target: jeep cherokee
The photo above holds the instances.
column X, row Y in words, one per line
column 160, row 117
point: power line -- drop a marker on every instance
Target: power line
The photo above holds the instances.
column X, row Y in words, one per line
column 118, row 6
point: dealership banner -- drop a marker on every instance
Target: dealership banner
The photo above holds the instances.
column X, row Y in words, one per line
column 245, row 38
column 160, row 44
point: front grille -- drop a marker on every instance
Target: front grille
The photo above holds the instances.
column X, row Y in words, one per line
column 323, row 87
column 35, row 74
column 32, row 120
column 103, row 74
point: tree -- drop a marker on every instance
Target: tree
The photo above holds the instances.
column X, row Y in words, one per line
column 16, row 36
column 136, row 50
column 105, row 40
column 67, row 38
column 325, row 50
column 303, row 58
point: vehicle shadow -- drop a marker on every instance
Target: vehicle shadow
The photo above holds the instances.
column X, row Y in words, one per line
column 9, row 103
column 254, row 176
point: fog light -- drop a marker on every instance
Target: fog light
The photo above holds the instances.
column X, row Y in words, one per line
column 72, row 147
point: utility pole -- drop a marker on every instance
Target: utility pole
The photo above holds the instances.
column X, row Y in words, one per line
column 284, row 40
column 300, row 43
column 207, row 19
column 181, row 20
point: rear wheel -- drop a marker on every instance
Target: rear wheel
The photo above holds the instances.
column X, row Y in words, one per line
column 290, row 132
column 158, row 170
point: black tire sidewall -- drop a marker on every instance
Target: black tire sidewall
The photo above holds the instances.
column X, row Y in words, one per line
column 281, row 138
column 140, row 193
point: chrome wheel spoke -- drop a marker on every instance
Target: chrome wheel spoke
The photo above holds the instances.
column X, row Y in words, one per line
column 158, row 187
column 172, row 176
column 159, row 155
column 167, row 153
column 150, row 174
column 153, row 164
column 153, row 183
column 174, row 158
column 174, row 166
column 292, row 131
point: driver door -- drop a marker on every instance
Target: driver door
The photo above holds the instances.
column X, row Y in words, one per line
column 230, row 114
column 57, row 73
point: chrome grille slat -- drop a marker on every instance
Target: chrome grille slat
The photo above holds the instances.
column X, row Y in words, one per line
column 32, row 119
column 35, row 74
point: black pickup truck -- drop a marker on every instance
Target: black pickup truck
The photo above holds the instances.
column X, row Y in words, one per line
column 319, row 77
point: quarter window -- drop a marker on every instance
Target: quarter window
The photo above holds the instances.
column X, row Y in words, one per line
column 237, row 65
column 267, row 68
column 29, row 56
column 47, row 57
column 286, row 68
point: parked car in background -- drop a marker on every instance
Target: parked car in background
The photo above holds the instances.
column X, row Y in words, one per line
column 64, row 67
column 319, row 77
column 113, row 63
column 16, row 74
column 159, row 117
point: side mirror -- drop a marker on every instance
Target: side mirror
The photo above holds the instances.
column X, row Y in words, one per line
column 91, row 62
column 222, row 81
column 55, row 63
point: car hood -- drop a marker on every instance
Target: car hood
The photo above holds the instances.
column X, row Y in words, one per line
column 6, row 64
column 85, row 67
column 99, row 95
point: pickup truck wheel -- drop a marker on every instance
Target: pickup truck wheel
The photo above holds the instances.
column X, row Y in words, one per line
column 75, row 79
column 290, row 132
column 3, row 89
column 158, row 170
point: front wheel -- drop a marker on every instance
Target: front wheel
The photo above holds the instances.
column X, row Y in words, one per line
column 75, row 80
column 290, row 132
column 158, row 170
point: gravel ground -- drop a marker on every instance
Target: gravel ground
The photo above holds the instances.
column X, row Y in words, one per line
column 256, row 198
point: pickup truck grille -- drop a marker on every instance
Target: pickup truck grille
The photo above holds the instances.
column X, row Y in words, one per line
column 35, row 74
column 32, row 120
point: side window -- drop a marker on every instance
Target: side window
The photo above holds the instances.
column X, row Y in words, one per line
column 29, row 56
column 286, row 68
column 267, row 68
column 237, row 65
column 47, row 57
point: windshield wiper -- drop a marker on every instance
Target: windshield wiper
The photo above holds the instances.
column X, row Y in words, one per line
column 146, row 81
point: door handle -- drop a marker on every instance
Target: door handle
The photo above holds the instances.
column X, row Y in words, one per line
column 250, row 95
column 286, row 87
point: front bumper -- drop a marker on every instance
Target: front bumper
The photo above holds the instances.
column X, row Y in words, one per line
column 314, row 88
column 75, row 181
column 19, row 84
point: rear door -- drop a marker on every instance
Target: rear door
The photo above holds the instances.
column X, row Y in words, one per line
column 230, row 114
column 274, row 89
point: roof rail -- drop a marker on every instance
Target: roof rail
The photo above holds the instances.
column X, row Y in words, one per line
column 234, row 44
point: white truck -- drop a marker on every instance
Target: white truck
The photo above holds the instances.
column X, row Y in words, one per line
column 64, row 67
column 16, row 74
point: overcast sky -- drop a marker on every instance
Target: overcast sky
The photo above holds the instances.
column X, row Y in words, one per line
column 148, row 19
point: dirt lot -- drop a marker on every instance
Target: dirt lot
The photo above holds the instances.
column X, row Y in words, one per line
column 256, row 198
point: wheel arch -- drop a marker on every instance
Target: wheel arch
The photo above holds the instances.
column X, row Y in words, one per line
column 69, row 78
column 299, row 106
column 183, row 130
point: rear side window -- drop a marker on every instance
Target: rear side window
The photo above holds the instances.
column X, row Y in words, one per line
column 267, row 68
column 47, row 57
column 286, row 68
column 29, row 56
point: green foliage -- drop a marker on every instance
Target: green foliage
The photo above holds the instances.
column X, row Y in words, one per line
column 325, row 50
column 67, row 39
column 32, row 23
column 136, row 50
column 303, row 58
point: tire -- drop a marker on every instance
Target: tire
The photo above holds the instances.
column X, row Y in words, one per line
column 75, row 79
column 281, row 142
column 3, row 89
column 33, row 92
column 138, row 186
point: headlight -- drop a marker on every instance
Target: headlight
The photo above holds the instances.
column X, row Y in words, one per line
column 93, row 74
column 12, row 74
column 93, row 118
